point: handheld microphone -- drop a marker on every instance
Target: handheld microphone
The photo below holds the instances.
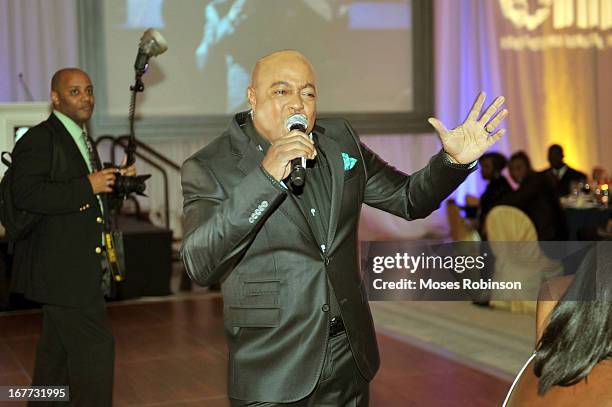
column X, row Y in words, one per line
column 152, row 44
column 298, row 165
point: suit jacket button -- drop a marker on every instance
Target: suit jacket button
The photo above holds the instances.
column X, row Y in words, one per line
column 98, row 250
column 325, row 308
column 326, row 261
column 99, row 219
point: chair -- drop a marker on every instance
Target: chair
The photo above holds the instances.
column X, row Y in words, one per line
column 518, row 257
column 460, row 229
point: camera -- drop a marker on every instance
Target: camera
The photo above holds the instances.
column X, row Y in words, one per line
column 125, row 186
column 128, row 185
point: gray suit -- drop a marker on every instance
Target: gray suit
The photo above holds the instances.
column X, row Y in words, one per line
column 249, row 233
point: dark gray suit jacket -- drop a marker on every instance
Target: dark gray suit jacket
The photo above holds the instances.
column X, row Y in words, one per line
column 242, row 229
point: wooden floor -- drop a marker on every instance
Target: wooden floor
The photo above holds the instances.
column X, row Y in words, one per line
column 173, row 353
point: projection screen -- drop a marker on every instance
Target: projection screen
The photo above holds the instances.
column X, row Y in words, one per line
column 372, row 60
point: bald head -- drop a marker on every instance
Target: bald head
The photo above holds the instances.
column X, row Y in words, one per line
column 72, row 94
column 63, row 75
column 277, row 60
column 282, row 84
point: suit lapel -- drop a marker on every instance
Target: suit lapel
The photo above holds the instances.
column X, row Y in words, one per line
column 62, row 137
column 336, row 164
column 250, row 159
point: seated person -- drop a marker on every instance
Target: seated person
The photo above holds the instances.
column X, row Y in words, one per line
column 537, row 197
column 573, row 362
column 561, row 173
column 491, row 166
column 600, row 176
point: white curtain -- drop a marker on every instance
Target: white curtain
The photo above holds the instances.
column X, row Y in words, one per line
column 408, row 153
column 466, row 61
column 37, row 37
column 555, row 95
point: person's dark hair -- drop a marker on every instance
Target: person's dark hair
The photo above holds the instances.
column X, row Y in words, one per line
column 579, row 334
column 498, row 160
column 521, row 155
column 555, row 148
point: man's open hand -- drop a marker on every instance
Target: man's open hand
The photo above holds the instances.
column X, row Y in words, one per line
column 469, row 141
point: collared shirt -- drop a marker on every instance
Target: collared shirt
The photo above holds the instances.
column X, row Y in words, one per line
column 560, row 172
column 76, row 132
column 314, row 200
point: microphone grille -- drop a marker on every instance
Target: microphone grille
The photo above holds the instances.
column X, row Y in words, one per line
column 153, row 43
column 296, row 121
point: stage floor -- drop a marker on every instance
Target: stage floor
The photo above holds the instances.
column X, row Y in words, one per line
column 171, row 352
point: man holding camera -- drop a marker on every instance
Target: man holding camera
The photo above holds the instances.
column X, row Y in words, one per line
column 61, row 264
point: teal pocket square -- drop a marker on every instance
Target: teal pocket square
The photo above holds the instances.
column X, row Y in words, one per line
column 349, row 162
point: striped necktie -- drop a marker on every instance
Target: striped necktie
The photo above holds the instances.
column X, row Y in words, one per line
column 94, row 159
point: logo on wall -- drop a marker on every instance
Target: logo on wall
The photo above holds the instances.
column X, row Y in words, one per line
column 517, row 11
column 588, row 18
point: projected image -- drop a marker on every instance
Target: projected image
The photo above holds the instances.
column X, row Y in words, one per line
column 217, row 27
column 144, row 14
column 361, row 51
